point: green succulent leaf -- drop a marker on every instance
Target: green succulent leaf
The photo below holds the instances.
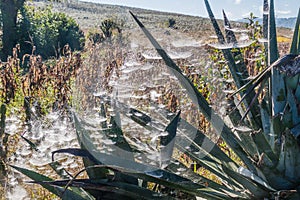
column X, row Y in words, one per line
column 295, row 46
column 238, row 71
column 59, row 191
column 199, row 100
column 167, row 141
column 273, row 49
column 108, row 188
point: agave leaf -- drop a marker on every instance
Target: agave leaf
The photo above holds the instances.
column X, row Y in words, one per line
column 167, row 142
column 57, row 167
column 64, row 174
column 176, row 167
column 103, row 114
column 115, row 134
column 265, row 118
column 60, row 192
column 291, row 116
column 273, row 49
column 76, row 152
column 200, row 101
column 277, row 87
column 230, row 36
column 123, row 190
column 262, row 77
column 238, row 71
column 146, row 172
column 266, row 27
column 87, row 144
column 276, row 177
column 257, row 179
column 256, row 190
column 122, row 162
column 289, row 162
column 213, row 159
column 218, row 31
column 295, row 46
column 189, row 136
column 32, row 145
column 120, row 148
column 265, row 18
column 190, row 188
column 263, row 146
column 260, row 89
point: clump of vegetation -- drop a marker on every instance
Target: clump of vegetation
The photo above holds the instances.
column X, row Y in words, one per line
column 171, row 23
column 48, row 32
column 30, row 88
column 109, row 26
column 95, row 36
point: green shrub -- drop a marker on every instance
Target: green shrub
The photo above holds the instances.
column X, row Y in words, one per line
column 171, row 23
column 94, row 36
column 48, row 31
column 108, row 26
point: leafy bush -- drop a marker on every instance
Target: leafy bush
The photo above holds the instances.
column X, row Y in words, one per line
column 109, row 26
column 95, row 36
column 48, row 31
column 171, row 23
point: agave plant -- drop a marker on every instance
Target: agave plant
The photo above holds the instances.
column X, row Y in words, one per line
column 268, row 143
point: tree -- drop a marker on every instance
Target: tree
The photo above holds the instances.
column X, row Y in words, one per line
column 48, row 31
column 9, row 11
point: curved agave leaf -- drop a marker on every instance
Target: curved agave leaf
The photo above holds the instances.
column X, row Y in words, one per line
column 257, row 179
column 167, row 142
column 238, row 70
column 261, row 78
column 59, row 191
column 295, row 46
column 107, row 187
column 200, row 101
column 273, row 49
column 213, row 159
column 139, row 170
column 230, row 36
column 176, row 166
column 188, row 137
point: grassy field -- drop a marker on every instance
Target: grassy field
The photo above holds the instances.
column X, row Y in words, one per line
column 89, row 16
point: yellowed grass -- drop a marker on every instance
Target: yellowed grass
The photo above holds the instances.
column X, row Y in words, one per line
column 281, row 39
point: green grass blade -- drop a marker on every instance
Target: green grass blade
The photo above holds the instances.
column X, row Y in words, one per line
column 200, row 101
column 295, row 46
